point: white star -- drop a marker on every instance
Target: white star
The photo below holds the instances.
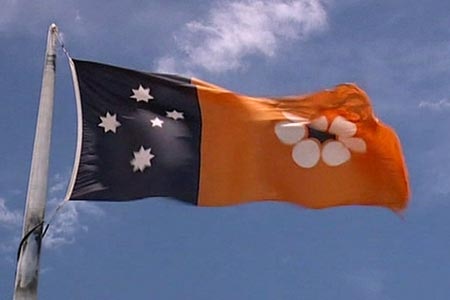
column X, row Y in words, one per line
column 109, row 122
column 175, row 115
column 157, row 122
column 141, row 94
column 141, row 159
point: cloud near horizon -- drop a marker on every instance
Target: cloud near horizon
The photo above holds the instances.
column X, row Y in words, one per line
column 234, row 30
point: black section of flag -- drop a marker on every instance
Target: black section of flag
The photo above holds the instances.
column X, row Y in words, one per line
column 106, row 171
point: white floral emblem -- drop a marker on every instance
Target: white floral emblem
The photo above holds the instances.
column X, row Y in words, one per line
column 317, row 139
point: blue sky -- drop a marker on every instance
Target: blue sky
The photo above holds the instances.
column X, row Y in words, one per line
column 398, row 51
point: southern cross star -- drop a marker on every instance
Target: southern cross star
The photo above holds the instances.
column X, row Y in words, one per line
column 157, row 122
column 109, row 122
column 174, row 115
column 142, row 159
column 141, row 94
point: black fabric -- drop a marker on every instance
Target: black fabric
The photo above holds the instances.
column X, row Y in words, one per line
column 105, row 171
column 321, row 136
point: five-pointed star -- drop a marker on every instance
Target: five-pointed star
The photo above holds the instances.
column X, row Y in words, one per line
column 174, row 115
column 157, row 122
column 141, row 94
column 109, row 122
column 141, row 159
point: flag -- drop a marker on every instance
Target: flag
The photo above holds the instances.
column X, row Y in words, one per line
column 158, row 135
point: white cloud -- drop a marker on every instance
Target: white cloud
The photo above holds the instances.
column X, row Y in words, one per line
column 59, row 183
column 64, row 227
column 440, row 105
column 237, row 29
column 10, row 225
column 8, row 217
column 67, row 221
column 65, row 224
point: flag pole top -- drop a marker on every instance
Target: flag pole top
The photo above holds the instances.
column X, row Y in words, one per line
column 52, row 39
column 53, row 29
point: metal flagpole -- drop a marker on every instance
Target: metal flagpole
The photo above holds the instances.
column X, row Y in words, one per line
column 28, row 261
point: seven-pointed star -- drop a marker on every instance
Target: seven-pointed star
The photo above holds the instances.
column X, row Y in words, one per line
column 174, row 115
column 157, row 122
column 109, row 122
column 141, row 94
column 141, row 159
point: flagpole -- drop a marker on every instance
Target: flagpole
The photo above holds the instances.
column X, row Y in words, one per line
column 27, row 271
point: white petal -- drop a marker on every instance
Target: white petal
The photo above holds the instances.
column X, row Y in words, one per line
column 355, row 144
column 343, row 128
column 306, row 154
column 290, row 133
column 320, row 123
column 335, row 153
column 295, row 118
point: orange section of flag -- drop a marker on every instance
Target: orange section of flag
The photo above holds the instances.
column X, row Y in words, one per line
column 322, row 150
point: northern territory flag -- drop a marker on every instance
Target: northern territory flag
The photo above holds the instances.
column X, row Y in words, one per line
column 157, row 135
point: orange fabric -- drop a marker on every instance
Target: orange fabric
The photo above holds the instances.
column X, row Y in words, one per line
column 243, row 160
